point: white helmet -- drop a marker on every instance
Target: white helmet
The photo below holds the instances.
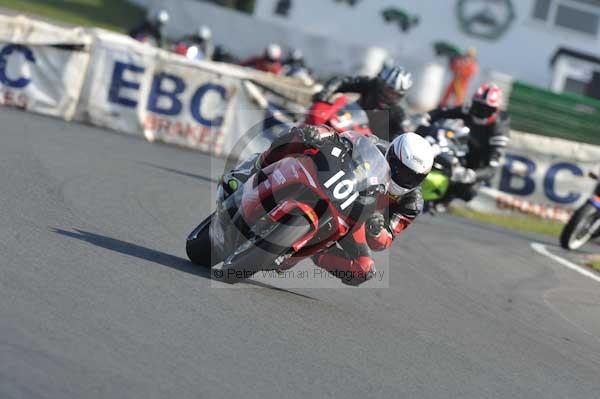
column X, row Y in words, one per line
column 161, row 17
column 204, row 32
column 273, row 52
column 410, row 157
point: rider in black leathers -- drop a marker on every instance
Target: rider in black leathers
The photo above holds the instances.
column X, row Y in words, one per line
column 152, row 29
column 489, row 136
column 380, row 97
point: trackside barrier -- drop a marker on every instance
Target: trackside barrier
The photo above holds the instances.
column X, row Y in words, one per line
column 110, row 80
column 564, row 115
column 132, row 87
column 541, row 176
column 42, row 67
column 129, row 86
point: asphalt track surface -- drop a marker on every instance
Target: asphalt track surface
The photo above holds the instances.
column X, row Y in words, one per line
column 97, row 299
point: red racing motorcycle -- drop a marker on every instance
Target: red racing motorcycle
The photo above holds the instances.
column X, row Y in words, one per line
column 341, row 114
column 293, row 208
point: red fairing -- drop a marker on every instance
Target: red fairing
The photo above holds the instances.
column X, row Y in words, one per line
column 181, row 49
column 324, row 113
column 286, row 208
column 321, row 113
column 273, row 155
column 284, row 174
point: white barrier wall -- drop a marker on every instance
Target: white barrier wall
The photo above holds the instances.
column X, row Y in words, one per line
column 137, row 89
column 42, row 67
column 542, row 176
column 111, row 94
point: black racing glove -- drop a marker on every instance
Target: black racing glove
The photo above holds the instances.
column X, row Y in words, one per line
column 375, row 224
column 308, row 134
column 314, row 136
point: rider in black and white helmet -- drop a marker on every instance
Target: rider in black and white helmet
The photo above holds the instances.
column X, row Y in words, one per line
column 394, row 82
column 381, row 97
column 203, row 39
column 152, row 29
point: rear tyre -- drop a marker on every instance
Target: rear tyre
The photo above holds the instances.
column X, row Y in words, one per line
column 580, row 228
column 263, row 253
column 199, row 246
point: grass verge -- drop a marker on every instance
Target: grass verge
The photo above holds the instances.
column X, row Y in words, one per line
column 525, row 223
column 594, row 264
column 118, row 15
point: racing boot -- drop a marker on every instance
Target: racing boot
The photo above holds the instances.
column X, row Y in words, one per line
column 349, row 272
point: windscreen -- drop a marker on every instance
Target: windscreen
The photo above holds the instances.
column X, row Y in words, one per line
column 370, row 167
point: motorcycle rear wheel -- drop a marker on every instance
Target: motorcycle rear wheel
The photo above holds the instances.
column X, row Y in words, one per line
column 580, row 228
column 199, row 246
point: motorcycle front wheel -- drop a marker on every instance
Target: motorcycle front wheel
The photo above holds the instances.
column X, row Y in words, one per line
column 199, row 246
column 580, row 228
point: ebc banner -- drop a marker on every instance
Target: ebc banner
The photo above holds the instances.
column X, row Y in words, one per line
column 41, row 78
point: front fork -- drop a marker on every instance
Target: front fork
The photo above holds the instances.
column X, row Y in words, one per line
column 595, row 201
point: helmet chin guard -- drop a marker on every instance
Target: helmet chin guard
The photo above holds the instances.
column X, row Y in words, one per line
column 397, row 191
column 479, row 121
column 484, row 121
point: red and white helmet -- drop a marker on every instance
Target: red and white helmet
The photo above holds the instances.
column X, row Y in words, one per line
column 273, row 52
column 486, row 104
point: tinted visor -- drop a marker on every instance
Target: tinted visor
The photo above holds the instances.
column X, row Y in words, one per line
column 403, row 175
column 482, row 110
